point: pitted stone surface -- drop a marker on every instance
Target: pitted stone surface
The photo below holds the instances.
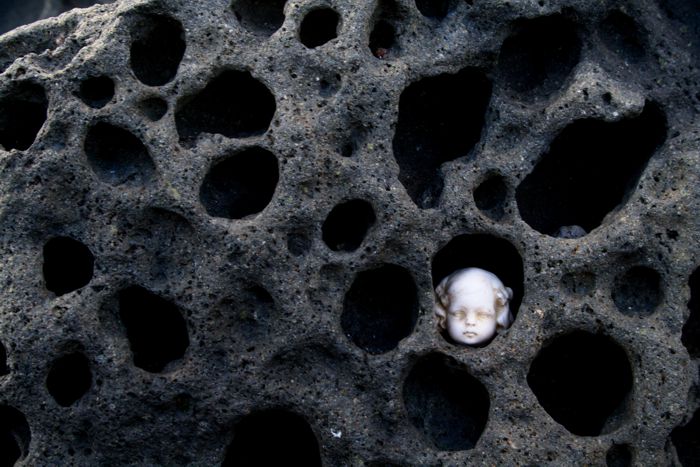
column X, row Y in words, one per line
column 222, row 224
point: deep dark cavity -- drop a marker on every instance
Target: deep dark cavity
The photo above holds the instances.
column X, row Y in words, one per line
column 117, row 156
column 380, row 309
column 22, row 114
column 96, row 91
column 157, row 49
column 621, row 35
column 155, row 328
column 261, row 17
column 233, row 104
column 347, row 224
column 69, row 378
column 440, row 119
column 4, row 370
column 241, row 184
column 691, row 330
column 154, row 108
column 638, row 291
column 382, row 39
column 294, row 441
column 14, row 436
column 686, row 439
column 68, row 265
column 492, row 254
column 538, row 57
column 445, row 403
column 318, row 27
column 490, row 197
column 437, row 9
column 583, row 381
column 567, row 186
column 619, row 455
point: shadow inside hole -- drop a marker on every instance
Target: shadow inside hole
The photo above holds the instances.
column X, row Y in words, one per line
column 347, row 224
column 157, row 49
column 445, row 403
column 619, row 455
column 298, row 243
column 490, row 197
column 261, row 17
column 295, row 442
column 437, row 9
column 583, row 381
column 154, row 108
column 96, row 91
column 383, row 40
column 69, row 378
column 380, row 308
column 318, row 27
column 591, row 168
column 68, row 265
column 4, row 370
column 638, row 291
column 22, row 114
column 621, row 35
column 691, row 329
column 15, row 436
column 686, row 440
column 155, row 328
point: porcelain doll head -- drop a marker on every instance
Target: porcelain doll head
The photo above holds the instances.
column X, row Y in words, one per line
column 472, row 304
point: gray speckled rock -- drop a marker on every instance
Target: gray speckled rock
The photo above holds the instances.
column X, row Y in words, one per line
column 221, row 226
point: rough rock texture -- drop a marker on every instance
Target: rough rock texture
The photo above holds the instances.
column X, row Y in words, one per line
column 221, row 225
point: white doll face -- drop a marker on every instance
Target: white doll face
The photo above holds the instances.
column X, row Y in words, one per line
column 470, row 326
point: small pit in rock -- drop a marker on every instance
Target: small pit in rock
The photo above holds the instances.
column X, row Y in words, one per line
column 437, row 9
column 621, row 35
column 579, row 283
column 490, row 197
column 154, row 108
column 445, row 403
column 691, row 329
column 14, row 436
column 240, row 185
column 261, row 17
column 68, row 265
column 155, row 328
column 619, row 455
column 96, row 91
column 22, row 114
column 157, row 49
column 380, row 309
column 295, row 442
column 318, row 27
column 583, row 381
column 383, row 39
column 69, row 378
column 686, row 440
column 638, row 291
column 347, row 224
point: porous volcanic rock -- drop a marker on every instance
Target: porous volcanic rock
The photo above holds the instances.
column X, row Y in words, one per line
column 221, row 225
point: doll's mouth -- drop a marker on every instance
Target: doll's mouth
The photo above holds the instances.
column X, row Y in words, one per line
column 469, row 334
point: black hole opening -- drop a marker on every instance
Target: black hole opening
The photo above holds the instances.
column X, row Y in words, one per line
column 619, row 455
column 318, row 27
column 539, row 56
column 69, row 378
column 97, row 91
column 347, row 224
column 233, row 104
column 583, row 381
column 382, row 38
column 3, row 361
column 22, row 114
column 154, row 108
column 440, row 119
column 155, row 328
column 14, row 436
column 686, row 439
column 295, row 442
column 380, row 309
column 490, row 197
column 638, row 291
column 68, row 265
column 691, row 329
column 117, row 156
column 567, row 188
column 437, row 9
column 157, row 49
column 262, row 17
column 445, row 403
column 621, row 35
column 241, row 185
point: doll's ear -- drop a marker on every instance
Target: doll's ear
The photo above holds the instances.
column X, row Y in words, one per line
column 504, row 318
column 441, row 315
column 441, row 301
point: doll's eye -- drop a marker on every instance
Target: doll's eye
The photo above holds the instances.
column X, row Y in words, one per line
column 459, row 314
column 484, row 314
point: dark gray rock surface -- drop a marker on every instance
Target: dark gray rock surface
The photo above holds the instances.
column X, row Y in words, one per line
column 221, row 225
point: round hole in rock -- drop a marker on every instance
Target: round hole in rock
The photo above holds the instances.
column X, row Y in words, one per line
column 69, row 378
column 318, row 27
column 3, row 361
column 492, row 254
column 22, row 114
column 437, row 9
column 686, row 439
column 233, row 104
column 347, row 224
column 262, row 17
column 157, row 49
column 583, row 381
column 241, row 184
column 490, row 197
column 154, row 108
column 691, row 329
column 298, row 243
column 68, row 265
column 380, row 308
column 619, row 455
column 621, row 35
column 96, row 91
column 637, row 292
column 155, row 328
column 294, row 441
column 445, row 403
column 117, row 157
column 15, row 436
